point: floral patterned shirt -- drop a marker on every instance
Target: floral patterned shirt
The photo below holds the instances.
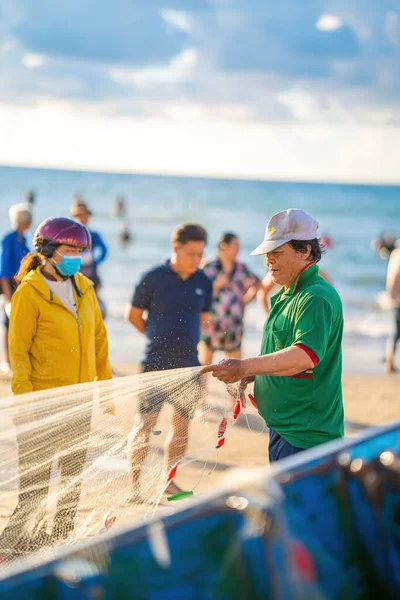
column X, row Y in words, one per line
column 225, row 328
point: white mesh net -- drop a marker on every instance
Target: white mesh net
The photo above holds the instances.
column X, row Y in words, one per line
column 77, row 460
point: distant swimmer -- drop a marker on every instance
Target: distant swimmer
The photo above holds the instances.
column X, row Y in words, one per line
column 326, row 242
column 384, row 244
column 30, row 197
column 119, row 209
column 125, row 237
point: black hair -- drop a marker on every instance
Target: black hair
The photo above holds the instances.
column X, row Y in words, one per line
column 317, row 248
column 45, row 246
column 227, row 238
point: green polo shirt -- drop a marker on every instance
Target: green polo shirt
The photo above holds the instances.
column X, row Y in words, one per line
column 305, row 409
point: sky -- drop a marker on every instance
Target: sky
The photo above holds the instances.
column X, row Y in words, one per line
column 233, row 88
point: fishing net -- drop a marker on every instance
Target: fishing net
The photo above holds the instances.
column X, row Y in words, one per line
column 77, row 460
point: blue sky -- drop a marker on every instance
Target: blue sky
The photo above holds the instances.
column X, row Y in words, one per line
column 307, row 90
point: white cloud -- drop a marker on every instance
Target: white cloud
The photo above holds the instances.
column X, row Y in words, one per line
column 178, row 69
column 177, row 18
column 187, row 112
column 33, row 61
column 237, row 65
column 392, row 27
column 328, row 23
column 303, row 106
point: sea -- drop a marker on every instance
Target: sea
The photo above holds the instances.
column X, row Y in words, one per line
column 351, row 215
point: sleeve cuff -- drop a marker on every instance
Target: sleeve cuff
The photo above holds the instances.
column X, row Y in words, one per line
column 310, row 353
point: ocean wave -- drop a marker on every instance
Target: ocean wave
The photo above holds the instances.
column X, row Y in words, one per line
column 369, row 326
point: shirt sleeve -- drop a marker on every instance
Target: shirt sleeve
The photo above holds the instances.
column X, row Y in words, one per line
column 208, row 299
column 23, row 326
column 210, row 271
column 314, row 325
column 143, row 294
column 6, row 263
column 100, row 247
column 248, row 279
column 309, row 352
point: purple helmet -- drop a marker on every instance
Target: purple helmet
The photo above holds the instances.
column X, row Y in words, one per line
column 55, row 231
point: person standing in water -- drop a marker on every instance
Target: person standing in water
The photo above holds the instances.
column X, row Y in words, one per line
column 393, row 291
column 234, row 286
column 13, row 249
column 30, row 197
column 119, row 208
column 177, row 298
column 57, row 338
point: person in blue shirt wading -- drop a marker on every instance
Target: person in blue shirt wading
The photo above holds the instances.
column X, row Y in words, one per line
column 177, row 297
column 91, row 259
column 13, row 249
column 298, row 389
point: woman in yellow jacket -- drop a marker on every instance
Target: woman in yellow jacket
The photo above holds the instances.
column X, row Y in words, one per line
column 57, row 334
column 57, row 338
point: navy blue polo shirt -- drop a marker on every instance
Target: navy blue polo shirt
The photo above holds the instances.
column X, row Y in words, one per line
column 173, row 322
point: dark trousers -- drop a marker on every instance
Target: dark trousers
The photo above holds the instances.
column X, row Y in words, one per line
column 279, row 448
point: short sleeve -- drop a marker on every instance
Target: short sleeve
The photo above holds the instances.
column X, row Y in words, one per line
column 5, row 265
column 99, row 248
column 248, row 278
column 210, row 270
column 314, row 325
column 143, row 294
column 208, row 298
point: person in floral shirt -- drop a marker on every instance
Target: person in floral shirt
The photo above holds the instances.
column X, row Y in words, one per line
column 234, row 286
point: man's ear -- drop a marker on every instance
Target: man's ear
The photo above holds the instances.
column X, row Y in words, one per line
column 306, row 254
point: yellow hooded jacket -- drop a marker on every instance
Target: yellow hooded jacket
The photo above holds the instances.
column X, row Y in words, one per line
column 49, row 346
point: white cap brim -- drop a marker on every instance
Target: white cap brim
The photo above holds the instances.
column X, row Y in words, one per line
column 268, row 246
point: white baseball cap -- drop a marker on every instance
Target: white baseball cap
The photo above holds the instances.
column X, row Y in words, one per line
column 287, row 225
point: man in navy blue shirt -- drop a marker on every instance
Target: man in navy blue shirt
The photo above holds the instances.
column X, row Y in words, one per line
column 13, row 249
column 177, row 299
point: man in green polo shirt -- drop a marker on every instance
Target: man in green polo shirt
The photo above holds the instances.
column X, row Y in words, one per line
column 298, row 373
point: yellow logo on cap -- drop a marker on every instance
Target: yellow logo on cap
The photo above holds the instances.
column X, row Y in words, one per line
column 271, row 229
